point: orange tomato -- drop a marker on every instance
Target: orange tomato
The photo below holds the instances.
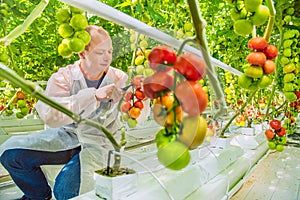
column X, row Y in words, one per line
column 126, row 105
column 269, row 134
column 256, row 58
column 192, row 97
column 166, row 100
column 134, row 112
column 269, row 67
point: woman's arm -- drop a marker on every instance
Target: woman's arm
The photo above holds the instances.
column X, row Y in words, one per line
column 59, row 89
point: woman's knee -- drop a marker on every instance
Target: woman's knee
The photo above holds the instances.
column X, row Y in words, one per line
column 7, row 158
column 12, row 158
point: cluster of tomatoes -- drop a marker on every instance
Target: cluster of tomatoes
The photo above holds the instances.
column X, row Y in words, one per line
column 276, row 135
column 132, row 104
column 260, row 64
column 178, row 102
column 246, row 14
column 21, row 105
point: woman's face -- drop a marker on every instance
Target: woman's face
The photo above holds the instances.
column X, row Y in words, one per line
column 99, row 58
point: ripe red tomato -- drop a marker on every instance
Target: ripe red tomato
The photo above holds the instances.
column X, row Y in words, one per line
column 148, row 91
column 192, row 97
column 256, row 58
column 138, row 104
column 271, row 51
column 281, row 132
column 269, row 67
column 257, row 43
column 125, row 106
column 275, row 124
column 139, row 94
column 157, row 82
column 297, row 93
column 191, row 66
column 161, row 55
column 269, row 134
column 21, row 95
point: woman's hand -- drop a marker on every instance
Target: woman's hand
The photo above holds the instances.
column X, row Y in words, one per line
column 108, row 92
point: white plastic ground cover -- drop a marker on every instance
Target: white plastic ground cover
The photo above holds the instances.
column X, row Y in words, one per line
column 118, row 17
column 204, row 178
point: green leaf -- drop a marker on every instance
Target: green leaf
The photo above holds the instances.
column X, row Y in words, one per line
column 139, row 8
column 124, row 4
column 156, row 15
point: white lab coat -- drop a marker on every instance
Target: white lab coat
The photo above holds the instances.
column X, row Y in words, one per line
column 68, row 87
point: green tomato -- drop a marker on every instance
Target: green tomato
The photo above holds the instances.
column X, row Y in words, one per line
column 25, row 110
column 288, row 77
column 284, row 60
column 252, row 5
column 272, row 145
column 63, row 15
column 8, row 112
column 281, row 140
column 279, row 147
column 288, row 87
column 243, row 27
column 21, row 103
column 244, row 81
column 289, row 68
column 287, row 52
column 287, row 43
column 131, row 123
column 254, row 71
column 161, row 138
column 261, row 15
column 265, row 81
column 290, row 96
column 20, row 115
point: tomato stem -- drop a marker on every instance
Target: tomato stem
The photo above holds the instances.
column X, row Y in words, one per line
column 191, row 39
column 271, row 20
column 276, row 72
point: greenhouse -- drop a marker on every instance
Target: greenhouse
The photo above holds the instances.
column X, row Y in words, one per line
column 154, row 100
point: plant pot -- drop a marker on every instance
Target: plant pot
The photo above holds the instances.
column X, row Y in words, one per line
column 115, row 188
column 221, row 143
column 249, row 131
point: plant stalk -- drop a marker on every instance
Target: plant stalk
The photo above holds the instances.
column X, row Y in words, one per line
column 271, row 20
column 36, row 92
column 201, row 39
column 237, row 114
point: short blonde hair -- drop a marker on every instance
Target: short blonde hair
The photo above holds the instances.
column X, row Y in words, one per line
column 98, row 35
